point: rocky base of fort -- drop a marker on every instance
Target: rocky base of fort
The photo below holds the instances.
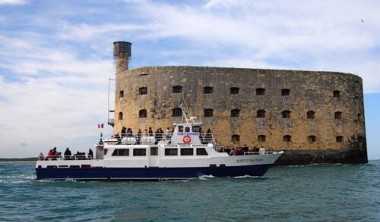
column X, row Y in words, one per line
column 305, row 157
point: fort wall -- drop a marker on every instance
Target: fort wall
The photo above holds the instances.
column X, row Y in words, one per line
column 314, row 116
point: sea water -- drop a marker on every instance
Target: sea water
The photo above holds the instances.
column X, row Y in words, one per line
column 321, row 192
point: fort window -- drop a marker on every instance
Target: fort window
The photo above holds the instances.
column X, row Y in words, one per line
column 261, row 138
column 260, row 91
column 234, row 90
column 286, row 114
column 336, row 93
column 177, row 112
column 208, row 112
column 339, row 139
column 287, row 138
column 235, row 113
column 260, row 113
column 285, row 92
column 208, row 90
column 120, row 117
column 310, row 114
column 311, row 139
column 143, row 113
column 121, row 94
column 235, row 138
column 177, row 89
column 143, row 90
column 338, row 115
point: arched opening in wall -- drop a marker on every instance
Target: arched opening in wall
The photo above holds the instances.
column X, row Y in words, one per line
column 260, row 113
column 121, row 93
column 177, row 89
column 338, row 115
column 234, row 90
column 143, row 113
column 287, row 138
column 285, row 92
column 310, row 114
column 311, row 139
column 177, row 112
column 359, row 117
column 143, row 90
column 261, row 138
column 208, row 112
column 235, row 113
column 120, row 116
column 235, row 138
column 260, row 91
column 285, row 114
column 336, row 93
column 339, row 139
column 208, row 90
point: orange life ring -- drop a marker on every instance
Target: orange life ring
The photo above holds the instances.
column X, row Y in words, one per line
column 186, row 139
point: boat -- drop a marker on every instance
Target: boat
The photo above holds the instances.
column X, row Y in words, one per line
column 184, row 153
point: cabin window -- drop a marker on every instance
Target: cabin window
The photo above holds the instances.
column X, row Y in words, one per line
column 235, row 113
column 187, row 151
column 285, row 92
column 187, row 129
column 208, row 112
column 177, row 112
column 143, row 113
column 143, row 90
column 121, row 94
column 196, row 129
column 260, row 113
column 311, row 139
column 139, row 152
column 338, row 115
column 154, row 151
column 120, row 152
column 180, row 129
column 261, row 138
column 336, row 93
column 171, row 152
column 120, row 116
column 201, row 152
column 260, row 91
column 287, row 138
column 208, row 90
column 235, row 138
column 285, row 114
column 105, row 151
column 310, row 114
column 177, row 89
column 234, row 90
column 339, row 139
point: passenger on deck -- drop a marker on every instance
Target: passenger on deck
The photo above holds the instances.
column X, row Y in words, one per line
column 138, row 139
column 90, row 154
column 67, row 154
column 150, row 131
column 208, row 136
column 41, row 156
column 167, row 133
column 123, row 131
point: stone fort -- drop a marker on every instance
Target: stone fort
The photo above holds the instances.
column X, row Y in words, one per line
column 313, row 116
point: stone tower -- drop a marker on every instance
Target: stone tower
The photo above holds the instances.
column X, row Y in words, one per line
column 122, row 54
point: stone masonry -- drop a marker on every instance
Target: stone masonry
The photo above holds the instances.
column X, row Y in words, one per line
column 313, row 116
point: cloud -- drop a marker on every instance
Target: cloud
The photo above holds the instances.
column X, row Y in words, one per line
column 13, row 2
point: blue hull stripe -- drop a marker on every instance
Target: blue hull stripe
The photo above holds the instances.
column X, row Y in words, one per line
column 148, row 173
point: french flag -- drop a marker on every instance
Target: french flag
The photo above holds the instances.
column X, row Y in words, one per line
column 100, row 125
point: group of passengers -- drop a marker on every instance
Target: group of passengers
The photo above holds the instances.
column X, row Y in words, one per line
column 53, row 154
column 159, row 134
column 244, row 150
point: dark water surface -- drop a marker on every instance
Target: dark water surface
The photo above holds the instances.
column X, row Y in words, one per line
column 322, row 192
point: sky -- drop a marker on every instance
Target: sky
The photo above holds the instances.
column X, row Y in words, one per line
column 56, row 57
